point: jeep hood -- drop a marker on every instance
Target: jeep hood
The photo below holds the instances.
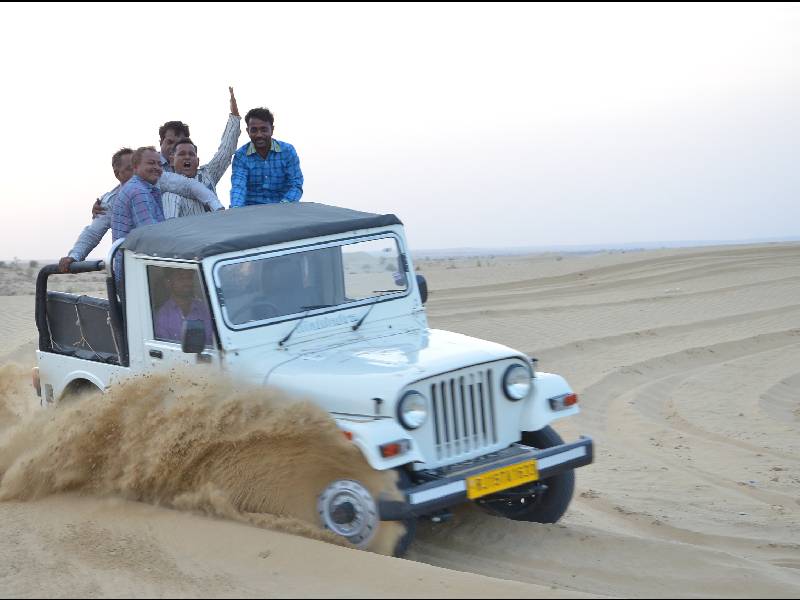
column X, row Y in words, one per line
column 347, row 379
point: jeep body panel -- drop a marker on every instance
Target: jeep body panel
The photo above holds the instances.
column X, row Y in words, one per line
column 57, row 372
column 370, row 434
column 352, row 375
column 344, row 326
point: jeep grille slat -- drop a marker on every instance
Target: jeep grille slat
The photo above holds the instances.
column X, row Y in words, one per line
column 437, row 429
column 467, row 414
column 485, row 409
column 463, row 413
column 492, row 414
column 476, row 432
column 459, row 431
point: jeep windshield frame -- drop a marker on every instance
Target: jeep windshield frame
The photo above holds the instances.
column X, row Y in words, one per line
column 316, row 279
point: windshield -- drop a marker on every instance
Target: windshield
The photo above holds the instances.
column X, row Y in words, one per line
column 263, row 288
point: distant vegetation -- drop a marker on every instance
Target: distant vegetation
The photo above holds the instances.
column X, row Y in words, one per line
column 18, row 278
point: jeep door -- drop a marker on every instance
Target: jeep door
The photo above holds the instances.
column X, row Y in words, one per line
column 176, row 295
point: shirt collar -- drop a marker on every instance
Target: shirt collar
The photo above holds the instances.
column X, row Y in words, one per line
column 165, row 165
column 251, row 148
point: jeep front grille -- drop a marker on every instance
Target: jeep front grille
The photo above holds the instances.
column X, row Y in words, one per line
column 463, row 413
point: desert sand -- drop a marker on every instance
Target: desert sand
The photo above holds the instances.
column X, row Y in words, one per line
column 687, row 363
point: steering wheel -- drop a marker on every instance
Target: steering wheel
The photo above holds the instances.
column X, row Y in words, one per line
column 260, row 309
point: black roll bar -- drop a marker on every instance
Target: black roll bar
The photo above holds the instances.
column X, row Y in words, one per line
column 115, row 313
column 86, row 266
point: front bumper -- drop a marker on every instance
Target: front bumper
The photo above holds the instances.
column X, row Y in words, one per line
column 448, row 487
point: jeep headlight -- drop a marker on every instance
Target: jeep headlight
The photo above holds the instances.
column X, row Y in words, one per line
column 517, row 382
column 412, row 410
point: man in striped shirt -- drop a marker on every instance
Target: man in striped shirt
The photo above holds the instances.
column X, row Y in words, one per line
column 185, row 162
column 169, row 133
column 173, row 131
column 265, row 171
column 177, row 204
column 122, row 164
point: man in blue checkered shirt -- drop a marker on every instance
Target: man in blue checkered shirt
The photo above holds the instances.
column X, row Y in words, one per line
column 265, row 171
column 139, row 201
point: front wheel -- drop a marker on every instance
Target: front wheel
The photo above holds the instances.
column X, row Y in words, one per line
column 544, row 502
column 348, row 509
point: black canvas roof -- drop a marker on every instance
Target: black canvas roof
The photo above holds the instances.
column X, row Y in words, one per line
column 198, row 237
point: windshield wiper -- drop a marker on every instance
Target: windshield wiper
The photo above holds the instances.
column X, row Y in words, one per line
column 291, row 333
column 308, row 309
column 361, row 320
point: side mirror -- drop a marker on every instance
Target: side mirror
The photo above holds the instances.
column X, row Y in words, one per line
column 423, row 288
column 193, row 339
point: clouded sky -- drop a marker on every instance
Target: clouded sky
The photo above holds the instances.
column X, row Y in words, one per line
column 478, row 125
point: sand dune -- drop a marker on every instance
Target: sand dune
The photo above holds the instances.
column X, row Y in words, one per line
column 688, row 366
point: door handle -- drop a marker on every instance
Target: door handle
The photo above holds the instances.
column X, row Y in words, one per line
column 156, row 354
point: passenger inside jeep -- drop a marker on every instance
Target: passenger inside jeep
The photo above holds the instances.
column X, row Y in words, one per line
column 176, row 297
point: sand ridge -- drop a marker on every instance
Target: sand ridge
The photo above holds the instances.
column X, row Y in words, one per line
column 687, row 362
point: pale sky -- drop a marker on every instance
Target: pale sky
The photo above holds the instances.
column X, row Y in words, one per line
column 478, row 125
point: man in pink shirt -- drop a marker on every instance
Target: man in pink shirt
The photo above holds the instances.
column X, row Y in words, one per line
column 183, row 305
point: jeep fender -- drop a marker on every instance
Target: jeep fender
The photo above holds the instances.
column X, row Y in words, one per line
column 370, row 435
column 536, row 412
column 74, row 376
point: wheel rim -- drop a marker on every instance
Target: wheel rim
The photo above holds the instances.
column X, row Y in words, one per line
column 348, row 509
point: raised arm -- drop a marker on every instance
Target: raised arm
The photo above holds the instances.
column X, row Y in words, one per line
column 295, row 178
column 189, row 188
column 216, row 167
column 238, row 181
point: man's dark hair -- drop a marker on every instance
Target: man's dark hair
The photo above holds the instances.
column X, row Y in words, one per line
column 262, row 114
column 179, row 127
column 185, row 140
column 116, row 159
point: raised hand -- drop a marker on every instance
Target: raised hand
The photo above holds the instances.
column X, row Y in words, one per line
column 234, row 107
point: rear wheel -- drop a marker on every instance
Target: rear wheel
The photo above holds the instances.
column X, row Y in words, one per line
column 79, row 389
column 545, row 501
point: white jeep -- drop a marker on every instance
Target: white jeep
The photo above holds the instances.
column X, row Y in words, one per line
column 323, row 303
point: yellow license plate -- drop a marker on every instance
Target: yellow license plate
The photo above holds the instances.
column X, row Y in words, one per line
column 501, row 479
